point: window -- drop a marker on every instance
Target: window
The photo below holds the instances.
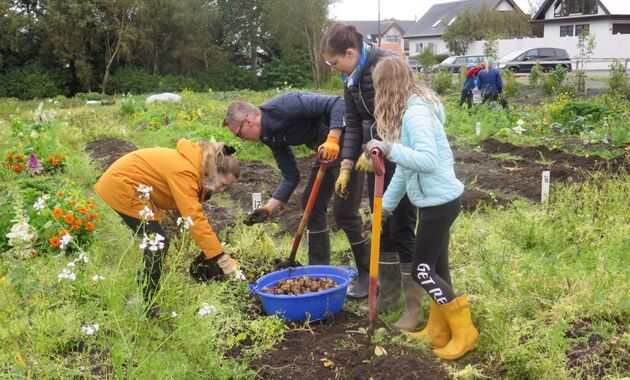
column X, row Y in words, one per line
column 392, row 38
column 566, row 30
column 581, row 28
column 563, row 8
column 419, row 47
column 452, row 21
column 436, row 23
column 621, row 29
column 546, row 53
column 531, row 55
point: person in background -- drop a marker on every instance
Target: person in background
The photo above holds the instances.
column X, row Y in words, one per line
column 469, row 84
column 410, row 120
column 491, row 84
column 139, row 185
column 345, row 51
column 315, row 120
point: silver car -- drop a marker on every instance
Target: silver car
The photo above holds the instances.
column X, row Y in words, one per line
column 455, row 62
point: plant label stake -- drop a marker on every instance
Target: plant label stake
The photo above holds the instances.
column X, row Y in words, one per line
column 256, row 200
column 478, row 128
column 377, row 215
column 544, row 191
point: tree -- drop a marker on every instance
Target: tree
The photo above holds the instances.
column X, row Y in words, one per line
column 464, row 30
column 280, row 20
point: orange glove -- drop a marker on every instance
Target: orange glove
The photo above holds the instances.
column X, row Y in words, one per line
column 330, row 148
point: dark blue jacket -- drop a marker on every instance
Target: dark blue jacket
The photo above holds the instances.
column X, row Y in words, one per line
column 297, row 118
column 490, row 82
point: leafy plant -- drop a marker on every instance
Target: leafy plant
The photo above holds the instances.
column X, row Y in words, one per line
column 536, row 75
column 441, row 81
column 553, row 80
column 618, row 80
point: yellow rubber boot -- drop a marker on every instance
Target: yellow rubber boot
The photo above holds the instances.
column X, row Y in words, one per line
column 436, row 332
column 464, row 336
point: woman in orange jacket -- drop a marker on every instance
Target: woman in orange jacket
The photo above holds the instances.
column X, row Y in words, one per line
column 141, row 184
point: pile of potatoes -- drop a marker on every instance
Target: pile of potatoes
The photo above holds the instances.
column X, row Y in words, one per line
column 300, row 285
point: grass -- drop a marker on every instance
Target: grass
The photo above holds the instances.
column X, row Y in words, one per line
column 533, row 272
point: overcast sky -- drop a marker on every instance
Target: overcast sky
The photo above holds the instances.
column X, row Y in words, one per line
column 354, row 10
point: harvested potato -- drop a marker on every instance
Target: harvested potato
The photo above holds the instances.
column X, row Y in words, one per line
column 301, row 285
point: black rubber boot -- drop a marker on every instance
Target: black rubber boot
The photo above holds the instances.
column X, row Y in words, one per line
column 411, row 317
column 389, row 283
column 361, row 253
column 318, row 248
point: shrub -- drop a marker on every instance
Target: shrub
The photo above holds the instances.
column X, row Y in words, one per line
column 618, row 80
column 510, row 85
column 176, row 83
column 133, row 80
column 90, row 96
column 285, row 73
column 535, row 75
column 32, row 81
column 553, row 80
column 441, row 82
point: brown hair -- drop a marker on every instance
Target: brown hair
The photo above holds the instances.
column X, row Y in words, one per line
column 394, row 83
column 217, row 159
column 237, row 111
column 339, row 38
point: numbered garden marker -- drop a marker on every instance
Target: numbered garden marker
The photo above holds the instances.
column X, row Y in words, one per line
column 256, row 200
column 478, row 128
column 544, row 192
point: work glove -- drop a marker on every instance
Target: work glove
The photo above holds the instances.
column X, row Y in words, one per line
column 259, row 215
column 203, row 269
column 363, row 164
column 341, row 185
column 330, row 148
column 383, row 146
column 385, row 215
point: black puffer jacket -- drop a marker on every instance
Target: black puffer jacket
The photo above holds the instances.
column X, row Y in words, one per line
column 359, row 99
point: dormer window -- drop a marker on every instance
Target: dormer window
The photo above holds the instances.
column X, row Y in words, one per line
column 436, row 23
column 452, row 21
column 564, row 8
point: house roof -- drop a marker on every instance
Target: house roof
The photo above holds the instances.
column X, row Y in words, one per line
column 610, row 8
column 445, row 13
column 371, row 27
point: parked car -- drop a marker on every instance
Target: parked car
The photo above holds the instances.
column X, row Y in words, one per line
column 522, row 61
column 455, row 62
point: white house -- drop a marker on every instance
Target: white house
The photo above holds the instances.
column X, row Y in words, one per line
column 391, row 31
column 428, row 30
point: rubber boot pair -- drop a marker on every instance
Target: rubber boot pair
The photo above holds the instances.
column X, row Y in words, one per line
column 411, row 317
column 389, row 283
column 454, row 319
column 318, row 248
column 361, row 252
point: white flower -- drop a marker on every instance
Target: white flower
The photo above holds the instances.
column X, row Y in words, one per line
column 173, row 314
column 21, row 232
column 206, row 309
column 518, row 130
column 184, row 223
column 82, row 257
column 520, row 122
column 146, row 213
column 39, row 204
column 65, row 239
column 239, row 275
column 71, row 264
column 97, row 277
column 153, row 244
column 145, row 191
column 67, row 274
column 90, row 329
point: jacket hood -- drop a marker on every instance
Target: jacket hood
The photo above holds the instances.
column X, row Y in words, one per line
column 437, row 107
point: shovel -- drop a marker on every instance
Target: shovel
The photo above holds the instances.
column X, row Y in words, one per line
column 307, row 212
column 379, row 171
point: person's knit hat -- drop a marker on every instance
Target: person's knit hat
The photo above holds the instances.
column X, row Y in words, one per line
column 492, row 62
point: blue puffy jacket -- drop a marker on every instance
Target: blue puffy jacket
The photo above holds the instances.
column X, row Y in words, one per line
column 424, row 160
column 490, row 82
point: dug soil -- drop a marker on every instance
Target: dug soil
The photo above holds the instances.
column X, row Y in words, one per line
column 337, row 350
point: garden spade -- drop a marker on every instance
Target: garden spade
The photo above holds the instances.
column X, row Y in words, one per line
column 379, row 178
column 307, row 212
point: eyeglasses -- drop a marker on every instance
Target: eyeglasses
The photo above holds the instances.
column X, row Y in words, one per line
column 238, row 133
column 333, row 65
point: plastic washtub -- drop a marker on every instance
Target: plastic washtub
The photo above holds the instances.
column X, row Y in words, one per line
column 311, row 306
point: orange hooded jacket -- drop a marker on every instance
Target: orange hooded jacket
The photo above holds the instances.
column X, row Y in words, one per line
column 175, row 176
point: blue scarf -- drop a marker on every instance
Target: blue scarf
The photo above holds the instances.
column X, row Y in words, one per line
column 353, row 79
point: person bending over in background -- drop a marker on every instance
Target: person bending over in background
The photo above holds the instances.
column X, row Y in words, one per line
column 410, row 121
column 315, row 120
column 139, row 185
column 344, row 50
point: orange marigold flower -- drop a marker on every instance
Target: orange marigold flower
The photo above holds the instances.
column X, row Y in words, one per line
column 78, row 222
column 75, row 228
column 95, row 216
column 72, row 202
column 19, row 156
column 49, row 159
column 54, row 241
column 63, row 232
column 92, row 206
column 60, row 193
column 82, row 210
column 10, row 155
column 57, row 212
column 62, row 157
column 53, row 162
column 89, row 226
column 17, row 169
column 69, row 218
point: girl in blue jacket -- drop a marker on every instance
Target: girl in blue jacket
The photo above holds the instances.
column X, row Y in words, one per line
column 410, row 121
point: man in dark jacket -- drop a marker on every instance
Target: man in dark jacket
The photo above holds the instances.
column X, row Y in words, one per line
column 491, row 84
column 317, row 121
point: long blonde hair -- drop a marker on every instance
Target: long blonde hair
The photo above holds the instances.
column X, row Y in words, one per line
column 394, row 83
column 217, row 158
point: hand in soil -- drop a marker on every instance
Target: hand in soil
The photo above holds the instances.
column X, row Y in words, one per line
column 300, row 285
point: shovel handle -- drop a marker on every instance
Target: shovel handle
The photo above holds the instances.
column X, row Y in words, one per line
column 378, row 164
column 377, row 215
